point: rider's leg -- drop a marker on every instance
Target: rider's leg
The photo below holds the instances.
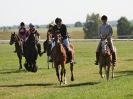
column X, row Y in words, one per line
column 109, row 39
column 53, row 44
column 97, row 53
column 45, row 46
column 67, row 44
column 39, row 48
column 112, row 50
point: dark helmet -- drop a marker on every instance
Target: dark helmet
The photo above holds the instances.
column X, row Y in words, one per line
column 104, row 17
column 57, row 20
column 22, row 24
column 31, row 25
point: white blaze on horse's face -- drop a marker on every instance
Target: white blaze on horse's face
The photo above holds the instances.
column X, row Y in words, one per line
column 104, row 46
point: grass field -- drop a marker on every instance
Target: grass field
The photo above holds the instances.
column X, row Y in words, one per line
column 16, row 84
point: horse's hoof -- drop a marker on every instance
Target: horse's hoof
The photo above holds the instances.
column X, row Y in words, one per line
column 20, row 68
column 72, row 79
column 102, row 76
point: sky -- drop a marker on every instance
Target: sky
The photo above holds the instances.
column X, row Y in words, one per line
column 12, row 12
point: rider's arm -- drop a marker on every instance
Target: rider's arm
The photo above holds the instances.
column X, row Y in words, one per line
column 110, row 31
column 99, row 32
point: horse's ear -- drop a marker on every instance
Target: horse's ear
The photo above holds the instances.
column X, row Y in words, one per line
column 14, row 33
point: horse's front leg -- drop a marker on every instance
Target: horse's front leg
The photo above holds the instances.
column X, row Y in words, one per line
column 57, row 72
column 48, row 61
column 71, row 68
column 112, row 71
column 100, row 71
column 63, row 71
column 107, row 72
column 20, row 61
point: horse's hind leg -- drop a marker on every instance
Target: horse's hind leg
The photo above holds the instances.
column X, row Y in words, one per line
column 71, row 68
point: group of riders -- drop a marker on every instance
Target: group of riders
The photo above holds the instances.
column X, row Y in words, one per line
column 104, row 32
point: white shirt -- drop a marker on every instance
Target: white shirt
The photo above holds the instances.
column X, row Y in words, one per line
column 105, row 30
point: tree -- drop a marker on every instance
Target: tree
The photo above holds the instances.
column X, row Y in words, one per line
column 91, row 26
column 123, row 27
column 78, row 24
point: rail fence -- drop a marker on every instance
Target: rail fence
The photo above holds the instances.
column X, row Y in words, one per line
column 73, row 40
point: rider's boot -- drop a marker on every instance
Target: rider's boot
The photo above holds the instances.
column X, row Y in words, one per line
column 39, row 49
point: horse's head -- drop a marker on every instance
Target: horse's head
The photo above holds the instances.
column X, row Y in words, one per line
column 105, row 48
column 14, row 38
column 58, row 38
column 32, row 39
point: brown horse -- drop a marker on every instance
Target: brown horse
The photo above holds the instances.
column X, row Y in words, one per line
column 105, row 59
column 47, row 48
column 60, row 59
column 18, row 45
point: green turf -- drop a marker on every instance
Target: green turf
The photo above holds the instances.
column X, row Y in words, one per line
column 16, row 84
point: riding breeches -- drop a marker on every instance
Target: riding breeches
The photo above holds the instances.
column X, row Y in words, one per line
column 67, row 43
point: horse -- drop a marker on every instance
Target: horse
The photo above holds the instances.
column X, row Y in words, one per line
column 105, row 59
column 18, row 45
column 59, row 57
column 31, row 53
column 47, row 48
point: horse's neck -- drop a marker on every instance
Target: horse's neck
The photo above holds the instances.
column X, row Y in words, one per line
column 60, row 48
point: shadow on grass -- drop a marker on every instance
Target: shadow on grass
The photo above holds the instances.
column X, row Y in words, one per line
column 128, row 59
column 129, row 96
column 28, row 85
column 82, row 84
column 12, row 71
column 124, row 73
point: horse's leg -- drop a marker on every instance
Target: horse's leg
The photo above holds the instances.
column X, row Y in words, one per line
column 100, row 71
column 57, row 71
column 112, row 71
column 71, row 68
column 52, row 65
column 48, row 61
column 107, row 71
column 20, row 60
column 62, row 72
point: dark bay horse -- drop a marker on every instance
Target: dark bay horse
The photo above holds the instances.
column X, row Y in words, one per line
column 31, row 53
column 59, row 57
column 47, row 48
column 18, row 45
column 105, row 59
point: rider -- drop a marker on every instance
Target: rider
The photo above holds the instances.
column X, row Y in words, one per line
column 61, row 28
column 105, row 31
column 33, row 30
column 22, row 33
column 49, row 32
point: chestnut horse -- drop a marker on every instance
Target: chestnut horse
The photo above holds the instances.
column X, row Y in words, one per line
column 60, row 59
column 18, row 45
column 105, row 59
